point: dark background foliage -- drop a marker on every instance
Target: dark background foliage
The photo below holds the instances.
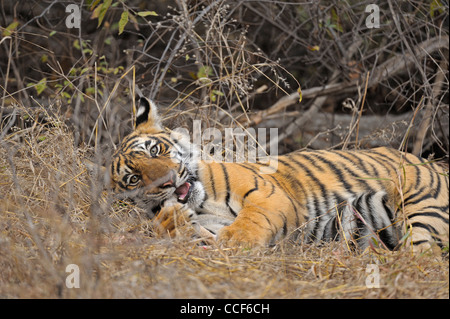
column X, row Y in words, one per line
column 230, row 62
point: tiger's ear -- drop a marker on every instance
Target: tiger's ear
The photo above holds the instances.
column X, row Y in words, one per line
column 147, row 118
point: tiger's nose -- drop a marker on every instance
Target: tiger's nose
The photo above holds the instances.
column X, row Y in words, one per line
column 168, row 180
column 169, row 183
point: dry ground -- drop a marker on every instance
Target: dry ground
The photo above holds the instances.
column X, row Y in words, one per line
column 52, row 215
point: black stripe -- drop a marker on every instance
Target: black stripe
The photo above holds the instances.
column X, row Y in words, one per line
column 386, row 231
column 389, row 211
column 227, row 183
column 418, row 175
column 386, row 160
column 355, row 160
column 437, row 188
column 259, row 225
column 330, row 230
column 387, row 239
column 303, row 169
column 297, row 217
column 443, row 209
column 168, row 141
column 348, row 171
column 436, row 240
column 419, row 242
column 317, row 217
column 212, row 232
column 251, row 190
column 332, row 167
column 232, row 211
column 213, row 184
column 128, row 160
column 368, row 214
column 205, row 198
column 305, row 155
column 269, row 222
column 360, row 226
column 117, row 169
column 130, row 144
column 243, row 165
column 284, row 223
column 430, row 228
column 429, row 214
column 311, row 212
column 228, row 190
column 273, row 189
column 290, row 178
column 246, row 166
column 409, row 200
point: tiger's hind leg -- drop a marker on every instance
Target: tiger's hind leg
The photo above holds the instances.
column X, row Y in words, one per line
column 423, row 225
column 424, row 212
column 364, row 219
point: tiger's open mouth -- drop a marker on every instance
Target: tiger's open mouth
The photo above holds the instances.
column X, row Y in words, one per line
column 183, row 192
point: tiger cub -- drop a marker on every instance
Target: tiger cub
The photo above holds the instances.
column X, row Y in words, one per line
column 382, row 195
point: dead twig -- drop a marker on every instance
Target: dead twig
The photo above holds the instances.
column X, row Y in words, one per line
column 361, row 108
column 429, row 109
column 388, row 69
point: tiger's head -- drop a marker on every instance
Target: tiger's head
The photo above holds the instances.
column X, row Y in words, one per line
column 152, row 166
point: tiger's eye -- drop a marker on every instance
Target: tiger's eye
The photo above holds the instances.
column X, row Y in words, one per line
column 133, row 179
column 154, row 150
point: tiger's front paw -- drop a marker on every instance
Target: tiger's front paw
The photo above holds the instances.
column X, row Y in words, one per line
column 170, row 220
column 241, row 236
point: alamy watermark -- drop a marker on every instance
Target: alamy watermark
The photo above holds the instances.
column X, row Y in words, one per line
column 373, row 276
column 237, row 146
column 73, row 20
column 73, row 279
column 373, row 19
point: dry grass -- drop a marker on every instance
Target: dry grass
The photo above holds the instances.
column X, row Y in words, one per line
column 52, row 215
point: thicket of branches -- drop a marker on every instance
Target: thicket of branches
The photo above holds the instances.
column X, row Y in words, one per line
column 234, row 63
